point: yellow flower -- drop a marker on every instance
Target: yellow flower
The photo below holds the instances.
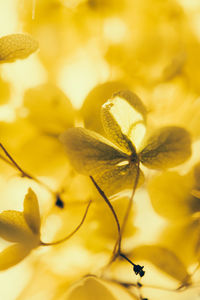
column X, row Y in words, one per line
column 114, row 164
column 21, row 228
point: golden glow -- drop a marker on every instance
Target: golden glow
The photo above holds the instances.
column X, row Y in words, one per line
column 115, row 30
column 81, row 73
column 150, row 48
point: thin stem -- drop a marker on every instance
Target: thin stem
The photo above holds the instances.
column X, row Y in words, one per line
column 73, row 232
column 111, row 208
column 125, row 257
column 128, row 209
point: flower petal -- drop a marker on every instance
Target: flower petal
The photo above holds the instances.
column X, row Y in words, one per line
column 88, row 289
column 16, row 46
column 118, row 178
column 31, row 211
column 166, row 148
column 89, row 152
column 123, row 118
column 91, row 108
column 12, row 255
column 13, row 227
column 93, row 155
column 49, row 109
column 163, row 259
column 170, row 195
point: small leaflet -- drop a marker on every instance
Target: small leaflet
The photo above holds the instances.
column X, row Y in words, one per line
column 16, row 46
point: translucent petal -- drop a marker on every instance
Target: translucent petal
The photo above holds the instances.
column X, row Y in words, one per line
column 89, row 152
column 88, row 289
column 13, row 255
column 31, row 211
column 16, row 46
column 166, row 148
column 93, row 155
column 163, row 259
column 123, row 118
column 95, row 99
column 118, row 178
column 13, row 227
column 171, row 197
column 49, row 108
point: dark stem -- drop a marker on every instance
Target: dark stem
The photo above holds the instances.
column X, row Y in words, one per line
column 111, row 208
column 125, row 257
column 72, row 233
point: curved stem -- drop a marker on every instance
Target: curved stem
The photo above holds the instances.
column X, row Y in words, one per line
column 111, row 208
column 72, row 233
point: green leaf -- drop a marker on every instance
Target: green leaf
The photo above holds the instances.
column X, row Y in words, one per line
column 90, row 288
column 164, row 259
column 166, row 148
column 123, row 118
column 12, row 255
column 93, row 155
column 16, row 46
column 31, row 211
column 14, row 228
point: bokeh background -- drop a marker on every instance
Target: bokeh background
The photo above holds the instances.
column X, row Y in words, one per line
column 89, row 49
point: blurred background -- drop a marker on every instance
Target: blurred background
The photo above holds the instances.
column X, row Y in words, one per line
column 89, row 49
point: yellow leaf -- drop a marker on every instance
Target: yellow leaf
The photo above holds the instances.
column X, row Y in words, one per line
column 123, row 118
column 166, row 148
column 14, row 228
column 13, row 255
column 90, row 288
column 170, row 195
column 49, row 108
column 16, row 46
column 31, row 211
column 163, row 259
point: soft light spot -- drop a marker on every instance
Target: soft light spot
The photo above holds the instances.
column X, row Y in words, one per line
column 79, row 75
column 23, row 74
column 115, row 30
column 8, row 17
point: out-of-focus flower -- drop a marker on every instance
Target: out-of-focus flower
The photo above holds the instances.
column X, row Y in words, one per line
column 91, row 287
column 22, row 229
column 177, row 198
column 49, row 109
